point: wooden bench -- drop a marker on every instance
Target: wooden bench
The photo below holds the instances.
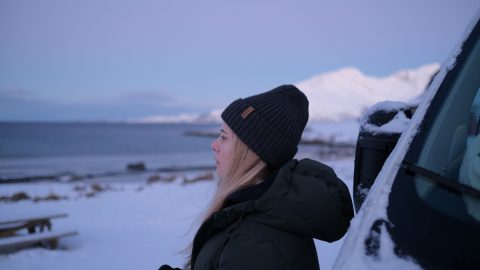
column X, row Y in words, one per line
column 28, row 231
column 46, row 239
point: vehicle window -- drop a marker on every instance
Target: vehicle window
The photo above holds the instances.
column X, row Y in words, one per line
column 452, row 147
column 469, row 173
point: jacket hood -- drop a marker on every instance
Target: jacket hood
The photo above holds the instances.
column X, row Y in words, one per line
column 306, row 198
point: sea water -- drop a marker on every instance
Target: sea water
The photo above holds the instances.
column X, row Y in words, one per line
column 39, row 149
column 36, row 150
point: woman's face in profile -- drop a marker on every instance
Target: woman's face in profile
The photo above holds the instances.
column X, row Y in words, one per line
column 222, row 147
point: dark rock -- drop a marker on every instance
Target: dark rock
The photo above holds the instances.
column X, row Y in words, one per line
column 19, row 196
column 138, row 166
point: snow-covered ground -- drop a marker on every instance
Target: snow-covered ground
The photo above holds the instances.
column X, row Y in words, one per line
column 132, row 225
column 345, row 132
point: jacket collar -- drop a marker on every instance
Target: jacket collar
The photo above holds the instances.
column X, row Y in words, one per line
column 250, row 193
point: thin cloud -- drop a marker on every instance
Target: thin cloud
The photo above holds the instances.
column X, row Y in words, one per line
column 141, row 97
column 149, row 97
column 23, row 105
column 17, row 93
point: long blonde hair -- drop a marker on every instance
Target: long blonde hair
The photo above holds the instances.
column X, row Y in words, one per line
column 246, row 169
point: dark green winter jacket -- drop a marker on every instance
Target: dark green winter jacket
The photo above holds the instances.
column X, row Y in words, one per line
column 274, row 231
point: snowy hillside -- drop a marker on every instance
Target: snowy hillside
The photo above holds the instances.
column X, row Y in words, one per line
column 338, row 95
column 346, row 93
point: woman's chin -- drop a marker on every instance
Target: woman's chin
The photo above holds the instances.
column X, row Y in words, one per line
column 218, row 174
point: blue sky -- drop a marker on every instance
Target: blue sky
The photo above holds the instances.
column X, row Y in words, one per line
column 95, row 60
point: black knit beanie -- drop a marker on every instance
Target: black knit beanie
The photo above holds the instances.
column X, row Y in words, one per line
column 270, row 124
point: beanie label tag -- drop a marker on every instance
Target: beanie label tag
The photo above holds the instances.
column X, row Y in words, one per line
column 246, row 112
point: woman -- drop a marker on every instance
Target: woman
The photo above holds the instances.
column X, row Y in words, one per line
column 268, row 207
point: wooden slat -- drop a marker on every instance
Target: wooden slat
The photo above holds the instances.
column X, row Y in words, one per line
column 33, row 218
column 9, row 243
column 10, row 225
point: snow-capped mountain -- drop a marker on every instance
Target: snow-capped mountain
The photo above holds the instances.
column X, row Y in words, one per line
column 339, row 95
column 347, row 92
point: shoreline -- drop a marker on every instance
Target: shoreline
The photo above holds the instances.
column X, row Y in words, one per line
column 74, row 177
column 314, row 149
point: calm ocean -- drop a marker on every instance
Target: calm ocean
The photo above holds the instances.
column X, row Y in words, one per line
column 35, row 149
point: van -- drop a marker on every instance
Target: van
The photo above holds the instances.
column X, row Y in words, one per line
column 417, row 190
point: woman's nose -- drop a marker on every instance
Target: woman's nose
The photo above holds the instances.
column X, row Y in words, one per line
column 214, row 146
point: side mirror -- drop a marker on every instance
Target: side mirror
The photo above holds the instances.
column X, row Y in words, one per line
column 380, row 128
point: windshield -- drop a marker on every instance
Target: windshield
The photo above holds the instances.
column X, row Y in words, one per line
column 452, row 149
column 434, row 204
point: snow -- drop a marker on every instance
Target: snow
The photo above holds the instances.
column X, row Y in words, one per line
column 351, row 255
column 120, row 229
column 335, row 132
column 388, row 259
column 353, row 91
column 397, row 125
column 130, row 225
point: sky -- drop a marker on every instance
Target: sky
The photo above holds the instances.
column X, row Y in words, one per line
column 99, row 60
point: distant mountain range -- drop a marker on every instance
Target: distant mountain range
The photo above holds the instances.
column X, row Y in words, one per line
column 339, row 95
